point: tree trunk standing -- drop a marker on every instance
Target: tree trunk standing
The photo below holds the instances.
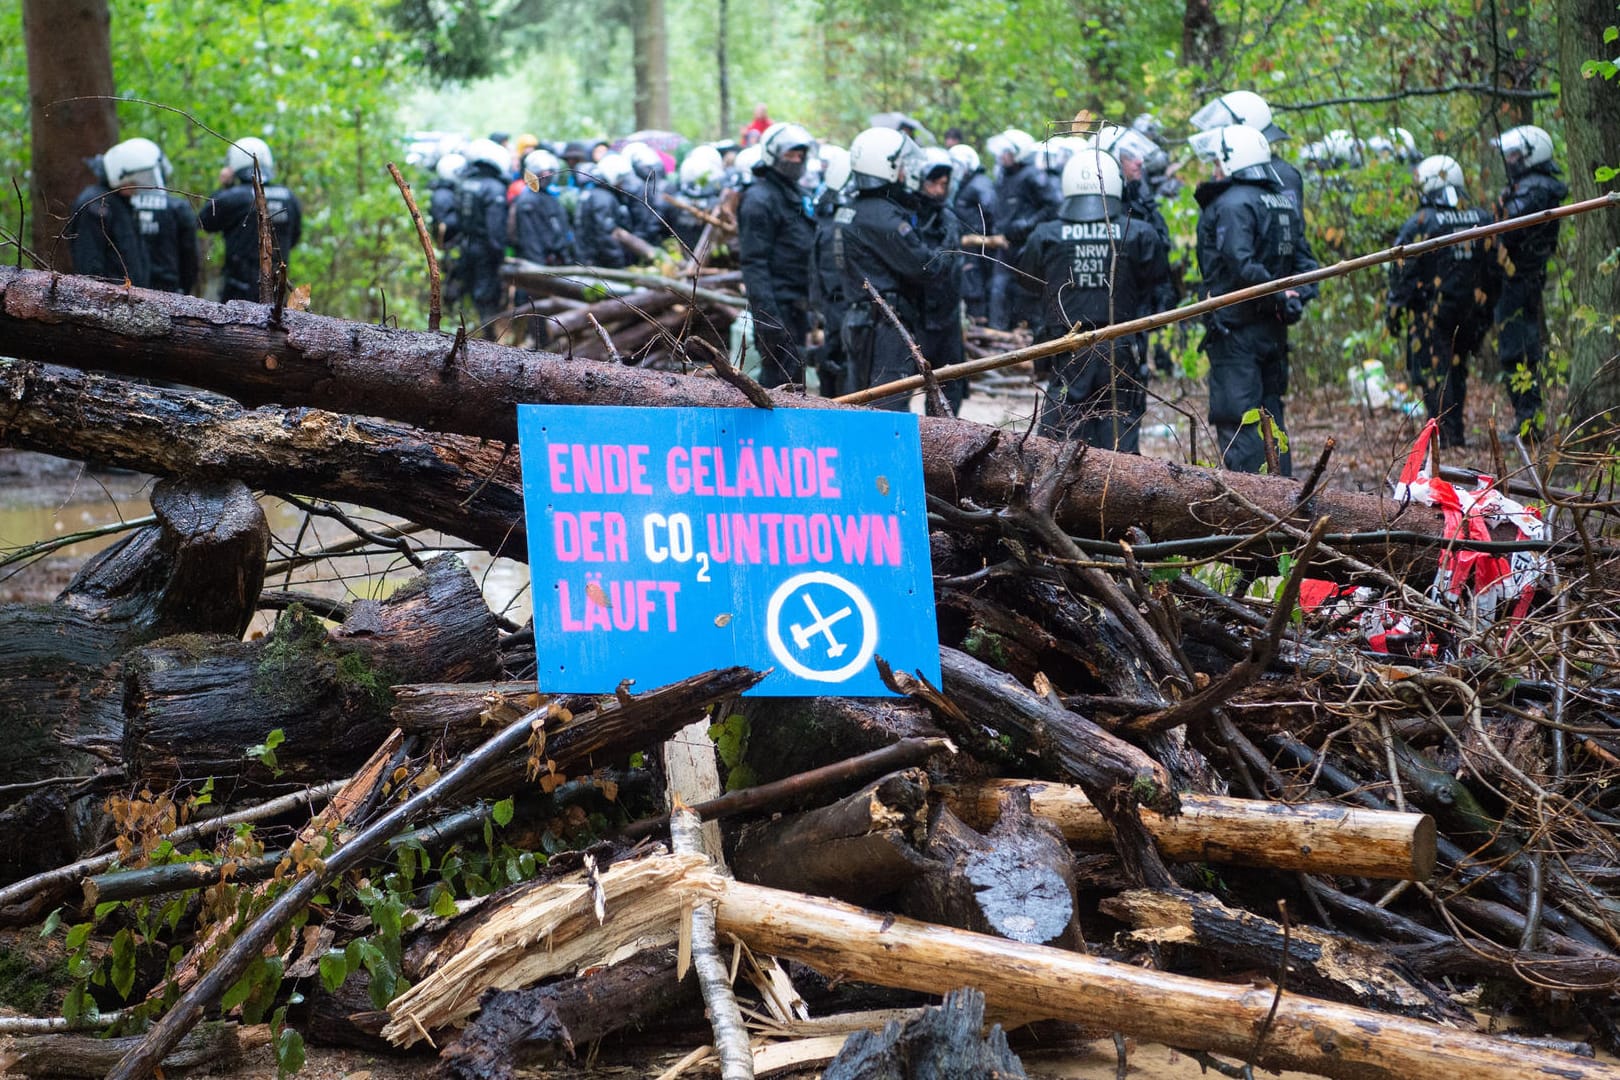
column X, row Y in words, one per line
column 651, row 64
column 69, row 47
column 1202, row 42
column 724, row 68
column 1591, row 106
column 1515, row 60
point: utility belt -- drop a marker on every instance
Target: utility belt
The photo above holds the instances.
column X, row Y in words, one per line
column 864, row 312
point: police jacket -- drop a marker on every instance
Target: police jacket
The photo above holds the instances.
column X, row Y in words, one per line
column 775, row 232
column 1142, row 205
column 1293, row 183
column 826, row 283
column 976, row 204
column 1452, row 274
column 941, row 231
column 647, row 209
column 233, row 213
column 442, row 211
column 1249, row 232
column 600, row 212
column 1026, row 197
column 106, row 240
column 540, row 231
column 876, row 240
column 168, row 224
column 481, row 212
column 1093, row 265
column 1529, row 249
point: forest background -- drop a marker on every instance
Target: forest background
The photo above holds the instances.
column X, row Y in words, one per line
column 337, row 86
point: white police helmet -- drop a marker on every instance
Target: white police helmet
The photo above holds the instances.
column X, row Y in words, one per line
column 1092, row 172
column 1524, row 147
column 136, row 162
column 879, row 156
column 241, row 154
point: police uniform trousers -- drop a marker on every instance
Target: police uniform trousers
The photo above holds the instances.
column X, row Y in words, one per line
column 1095, row 395
column 1248, row 370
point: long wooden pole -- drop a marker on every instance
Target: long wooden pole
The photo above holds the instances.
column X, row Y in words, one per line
column 1308, row 1034
column 1086, row 339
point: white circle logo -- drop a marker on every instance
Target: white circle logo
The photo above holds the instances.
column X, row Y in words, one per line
column 823, row 614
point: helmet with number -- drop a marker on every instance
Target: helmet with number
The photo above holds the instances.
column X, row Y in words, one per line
column 489, row 153
column 834, row 166
column 1440, row 179
column 1241, row 152
column 539, row 166
column 241, row 154
column 1243, row 107
column 1014, row 141
column 450, row 166
column 644, row 160
column 966, row 158
column 779, row 140
column 702, row 171
column 1524, row 148
column 880, row 156
column 1093, row 172
column 135, row 162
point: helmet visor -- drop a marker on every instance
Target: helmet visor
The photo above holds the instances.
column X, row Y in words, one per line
column 1207, row 144
column 1214, row 115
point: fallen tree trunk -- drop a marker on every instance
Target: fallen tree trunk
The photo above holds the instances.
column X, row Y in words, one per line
column 428, row 380
column 214, row 1047
column 1317, row 838
column 1031, row 980
column 190, row 711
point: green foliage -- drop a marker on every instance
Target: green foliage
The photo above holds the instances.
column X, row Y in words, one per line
column 265, row 752
column 731, row 741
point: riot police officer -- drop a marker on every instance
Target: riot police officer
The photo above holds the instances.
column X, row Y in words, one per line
column 1441, row 295
column 104, row 233
column 233, row 212
column 1249, row 109
column 539, row 224
column 775, row 231
column 975, row 205
column 940, row 335
column 1097, row 261
column 1249, row 232
column 481, row 221
column 876, row 241
column 1008, row 150
column 827, row 300
column 1533, row 186
column 167, row 224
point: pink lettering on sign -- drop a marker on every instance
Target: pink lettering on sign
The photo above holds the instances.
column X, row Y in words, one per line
column 749, row 471
column 598, row 605
column 589, row 536
column 798, row 539
column 597, row 469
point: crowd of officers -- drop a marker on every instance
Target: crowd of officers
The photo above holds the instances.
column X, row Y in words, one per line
column 127, row 226
column 849, row 256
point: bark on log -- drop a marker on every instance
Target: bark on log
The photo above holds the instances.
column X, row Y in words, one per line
column 542, row 1024
column 1319, row 963
column 944, row 1043
column 1317, row 838
column 418, row 378
column 860, row 849
column 465, row 487
column 456, row 712
column 1030, row 980
column 191, row 711
column 1117, row 777
column 1017, row 881
column 788, row 736
column 210, row 1047
column 198, row 569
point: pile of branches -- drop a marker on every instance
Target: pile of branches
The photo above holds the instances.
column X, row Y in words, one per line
column 1152, row 798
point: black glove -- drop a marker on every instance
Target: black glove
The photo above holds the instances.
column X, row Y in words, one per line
column 1293, row 310
column 1392, row 319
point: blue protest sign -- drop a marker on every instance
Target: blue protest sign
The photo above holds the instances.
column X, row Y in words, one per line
column 667, row 542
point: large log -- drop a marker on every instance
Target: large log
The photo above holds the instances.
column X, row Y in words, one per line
column 425, row 380
column 1302, row 1033
column 193, row 708
column 197, row 570
column 1317, row 838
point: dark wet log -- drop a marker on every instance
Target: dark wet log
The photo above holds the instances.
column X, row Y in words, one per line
column 456, row 712
column 418, row 378
column 944, row 1043
column 526, row 1028
column 1318, row 838
column 192, row 708
column 213, row 1047
column 1017, row 881
column 860, row 849
column 197, row 570
column 788, row 736
column 465, row 487
column 1116, row 776
column 1320, row 963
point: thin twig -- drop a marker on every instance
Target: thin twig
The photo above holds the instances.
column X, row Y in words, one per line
column 602, row 333
column 756, row 394
column 434, row 288
column 1282, row 982
column 933, row 400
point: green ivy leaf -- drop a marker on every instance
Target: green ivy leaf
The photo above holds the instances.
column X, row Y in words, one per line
column 1604, row 173
column 1611, row 33
column 289, row 1052
column 78, row 934
column 1250, row 417
column 52, row 922
column 502, row 812
column 444, row 904
column 123, row 962
column 334, row 969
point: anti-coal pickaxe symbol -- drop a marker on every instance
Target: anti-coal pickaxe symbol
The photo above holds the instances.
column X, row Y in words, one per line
column 823, row 624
